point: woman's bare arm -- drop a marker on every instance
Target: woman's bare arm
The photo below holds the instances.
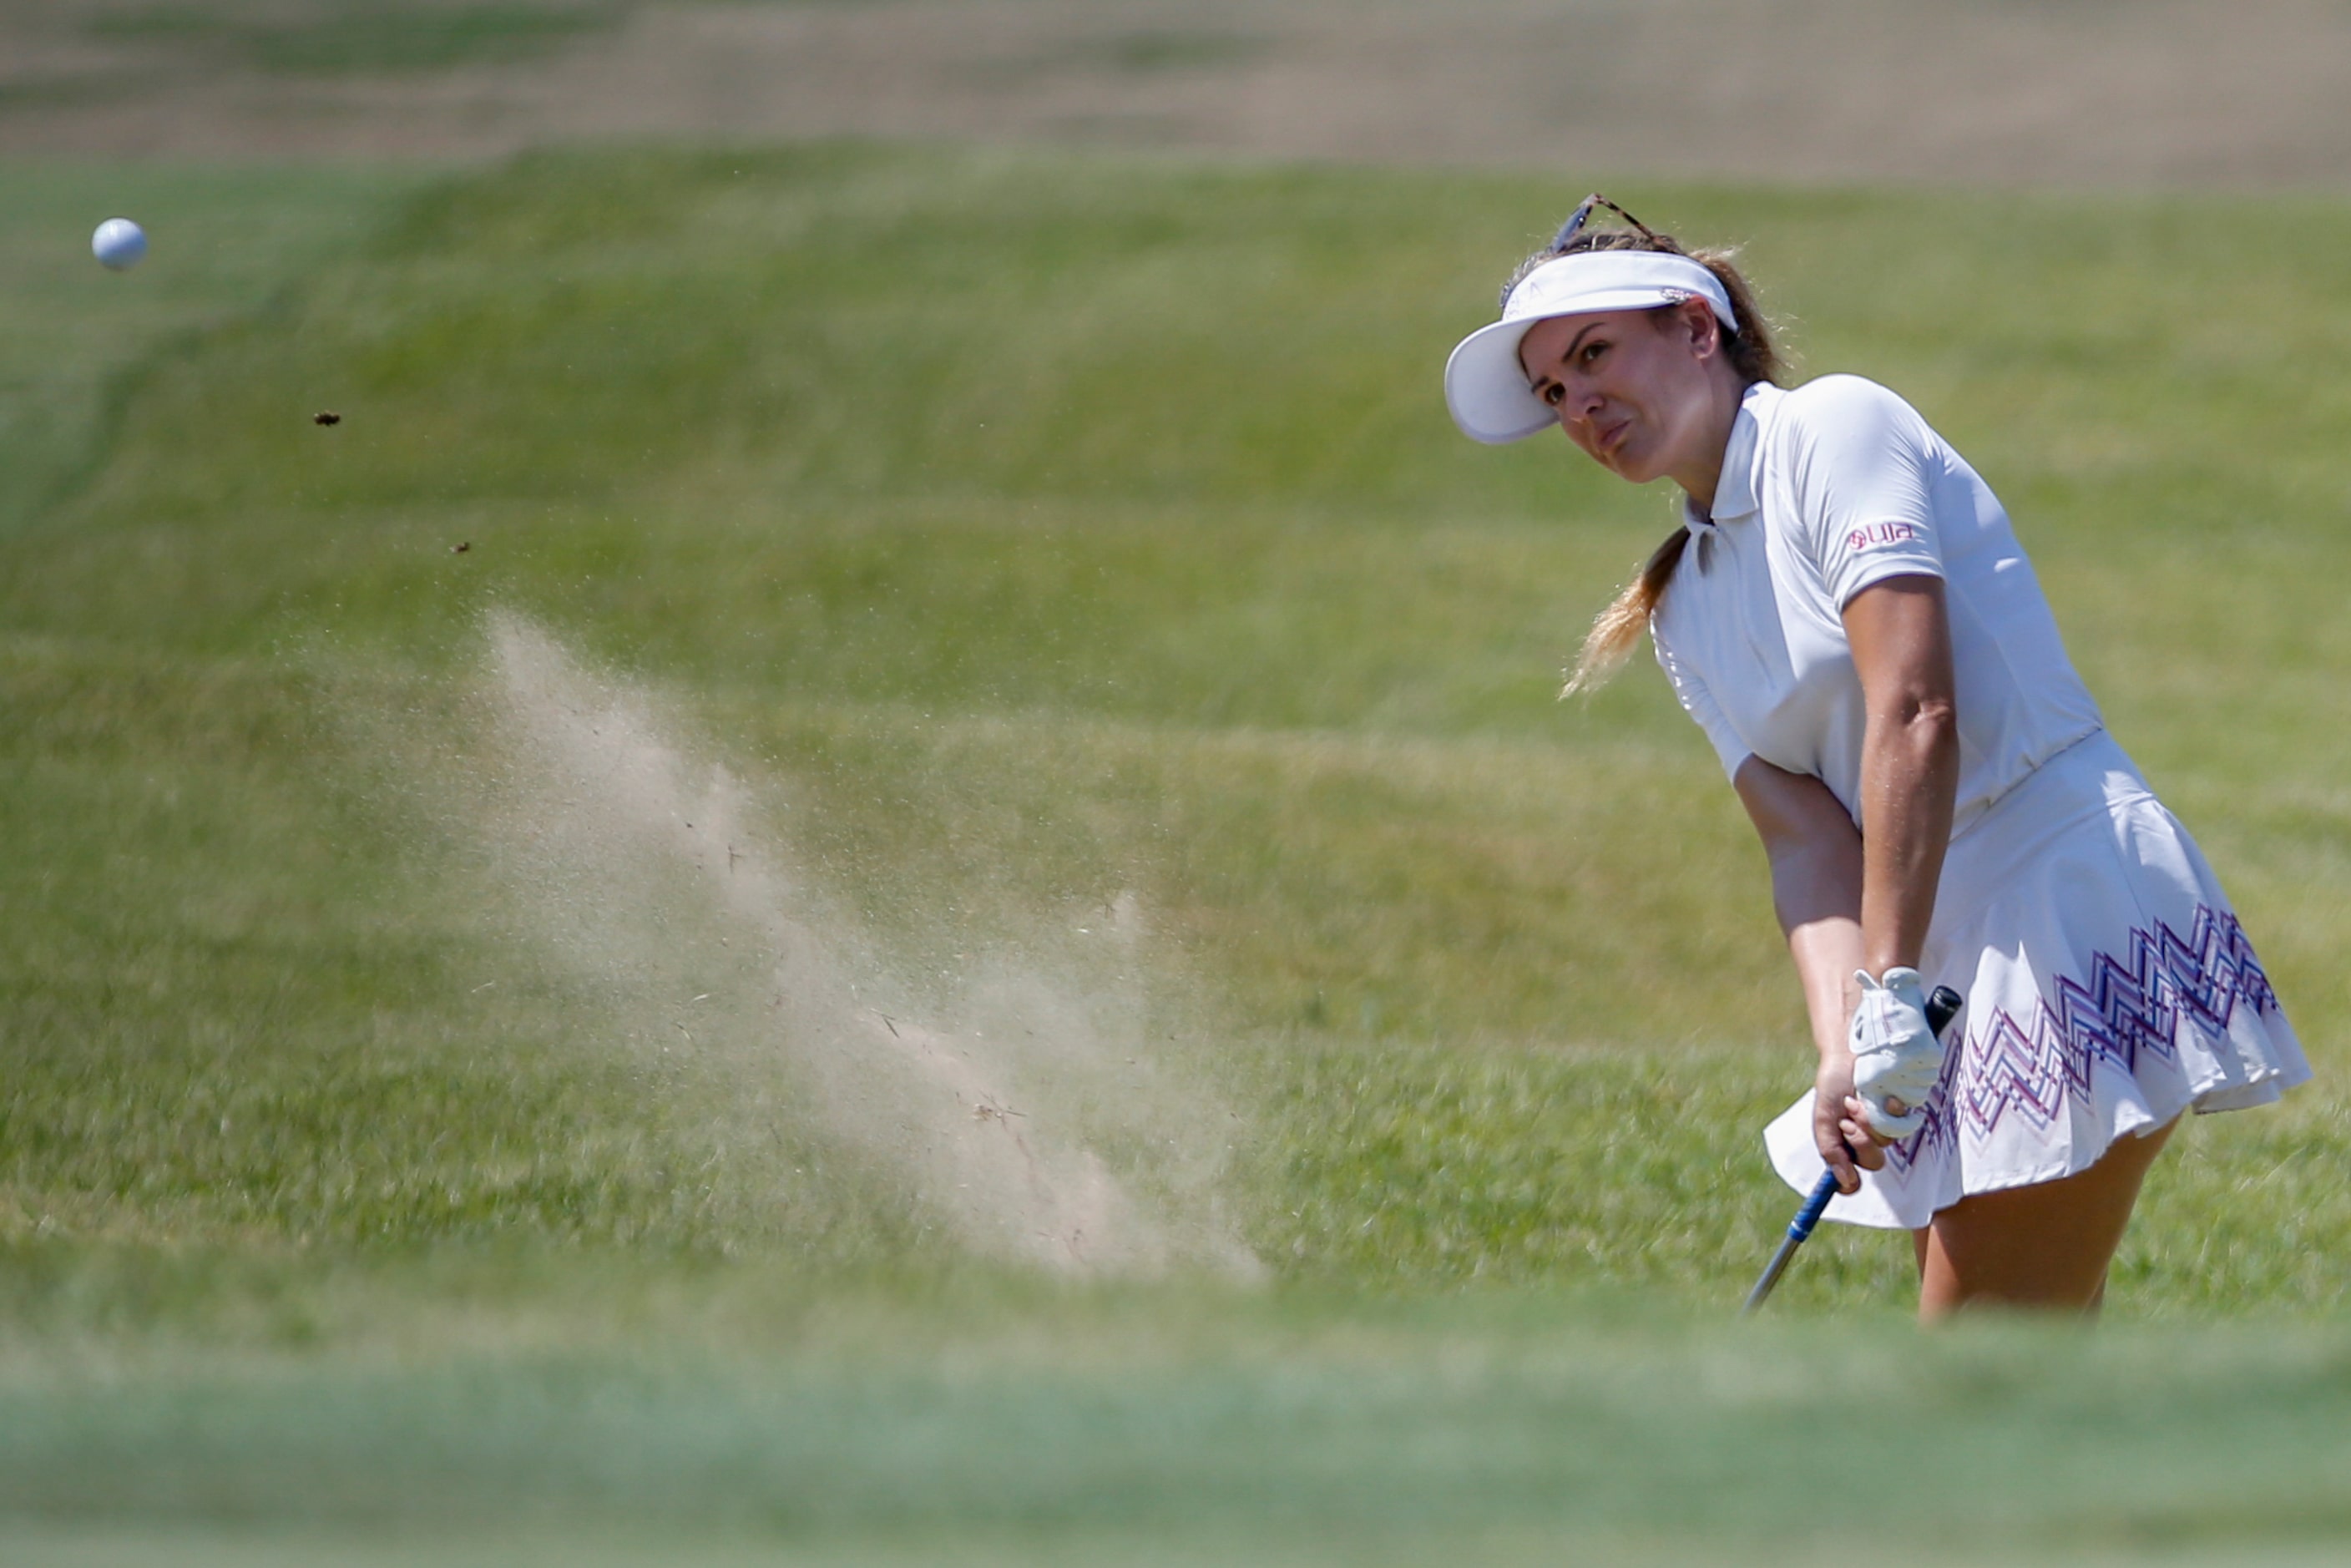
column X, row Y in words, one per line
column 1848, row 901
column 1815, row 854
column 1816, row 860
column 1901, row 641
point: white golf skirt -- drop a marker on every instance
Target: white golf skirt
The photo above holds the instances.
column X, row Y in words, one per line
column 2108, row 986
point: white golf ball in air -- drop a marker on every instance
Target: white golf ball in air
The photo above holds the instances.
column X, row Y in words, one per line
column 117, row 243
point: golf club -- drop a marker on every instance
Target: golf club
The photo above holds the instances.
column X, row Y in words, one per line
column 1941, row 1009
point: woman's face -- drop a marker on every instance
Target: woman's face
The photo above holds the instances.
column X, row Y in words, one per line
column 1636, row 388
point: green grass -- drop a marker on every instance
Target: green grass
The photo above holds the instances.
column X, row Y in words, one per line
column 1033, row 538
column 879, row 1419
column 1511, row 1437
column 74, row 339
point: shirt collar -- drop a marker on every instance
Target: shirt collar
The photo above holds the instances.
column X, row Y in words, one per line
column 1734, row 492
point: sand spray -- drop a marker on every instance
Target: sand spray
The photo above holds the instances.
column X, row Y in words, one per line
column 1022, row 1106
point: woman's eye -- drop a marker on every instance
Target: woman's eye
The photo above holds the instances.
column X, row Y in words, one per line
column 1552, row 392
column 1591, row 354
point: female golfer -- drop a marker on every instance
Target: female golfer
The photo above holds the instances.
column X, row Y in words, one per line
column 1847, row 615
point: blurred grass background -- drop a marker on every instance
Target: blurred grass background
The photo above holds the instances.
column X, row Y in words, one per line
column 1026, row 528
column 349, row 36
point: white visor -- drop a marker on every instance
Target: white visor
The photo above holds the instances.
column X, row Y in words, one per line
column 1485, row 385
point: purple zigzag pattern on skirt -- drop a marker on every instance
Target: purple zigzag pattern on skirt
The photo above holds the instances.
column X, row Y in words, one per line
column 2125, row 1008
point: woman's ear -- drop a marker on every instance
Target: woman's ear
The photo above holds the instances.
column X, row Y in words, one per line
column 1704, row 326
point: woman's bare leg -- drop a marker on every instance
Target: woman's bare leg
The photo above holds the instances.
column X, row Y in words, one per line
column 2046, row 1246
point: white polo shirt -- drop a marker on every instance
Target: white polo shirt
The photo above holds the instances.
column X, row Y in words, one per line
column 1825, row 490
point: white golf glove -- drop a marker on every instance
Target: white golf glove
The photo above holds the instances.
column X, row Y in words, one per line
column 1896, row 1055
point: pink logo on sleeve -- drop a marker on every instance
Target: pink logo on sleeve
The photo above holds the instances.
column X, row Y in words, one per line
column 1878, row 535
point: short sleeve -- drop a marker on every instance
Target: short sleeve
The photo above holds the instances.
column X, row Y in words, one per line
column 1861, row 468
column 1699, row 703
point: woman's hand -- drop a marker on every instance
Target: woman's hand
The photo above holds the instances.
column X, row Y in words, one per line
column 1844, row 1138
